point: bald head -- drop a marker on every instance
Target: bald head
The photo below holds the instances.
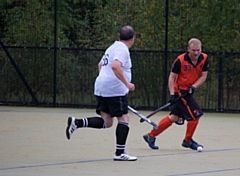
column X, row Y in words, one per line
column 126, row 33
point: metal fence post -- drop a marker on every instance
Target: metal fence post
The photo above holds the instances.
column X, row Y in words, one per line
column 220, row 82
column 165, row 82
column 55, row 54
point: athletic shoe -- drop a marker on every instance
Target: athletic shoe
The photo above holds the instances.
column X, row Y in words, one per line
column 191, row 144
column 150, row 141
column 124, row 157
column 71, row 127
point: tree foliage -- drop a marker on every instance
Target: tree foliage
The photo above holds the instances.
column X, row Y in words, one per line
column 95, row 24
column 85, row 25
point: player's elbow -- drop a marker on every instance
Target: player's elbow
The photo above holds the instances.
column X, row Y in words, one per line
column 116, row 65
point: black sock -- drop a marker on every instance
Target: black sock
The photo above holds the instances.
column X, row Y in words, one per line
column 121, row 137
column 91, row 122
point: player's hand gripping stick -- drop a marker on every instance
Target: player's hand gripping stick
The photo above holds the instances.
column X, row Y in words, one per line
column 163, row 107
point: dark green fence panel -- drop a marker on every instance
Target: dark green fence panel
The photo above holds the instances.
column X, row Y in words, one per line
column 77, row 70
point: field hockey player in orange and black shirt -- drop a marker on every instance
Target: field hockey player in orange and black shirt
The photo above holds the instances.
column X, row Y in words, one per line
column 189, row 71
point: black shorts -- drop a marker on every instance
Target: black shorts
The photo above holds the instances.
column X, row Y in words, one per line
column 187, row 107
column 115, row 106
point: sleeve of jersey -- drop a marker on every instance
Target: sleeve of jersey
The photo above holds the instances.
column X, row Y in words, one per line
column 120, row 55
column 176, row 66
column 206, row 65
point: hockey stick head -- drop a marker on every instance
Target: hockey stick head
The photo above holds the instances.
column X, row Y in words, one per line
column 144, row 118
column 157, row 110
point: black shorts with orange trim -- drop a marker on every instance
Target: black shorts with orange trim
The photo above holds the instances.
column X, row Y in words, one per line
column 115, row 106
column 187, row 107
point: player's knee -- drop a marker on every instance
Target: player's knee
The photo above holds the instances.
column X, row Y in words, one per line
column 108, row 124
column 173, row 118
column 124, row 118
column 194, row 121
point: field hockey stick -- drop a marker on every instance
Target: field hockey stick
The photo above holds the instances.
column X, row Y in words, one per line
column 162, row 107
column 144, row 118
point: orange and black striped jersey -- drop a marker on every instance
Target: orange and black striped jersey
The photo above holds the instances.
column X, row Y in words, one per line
column 187, row 73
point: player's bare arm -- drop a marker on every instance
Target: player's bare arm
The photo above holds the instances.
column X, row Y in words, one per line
column 201, row 79
column 99, row 65
column 171, row 80
column 117, row 69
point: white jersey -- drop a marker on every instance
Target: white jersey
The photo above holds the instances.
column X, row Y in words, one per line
column 107, row 84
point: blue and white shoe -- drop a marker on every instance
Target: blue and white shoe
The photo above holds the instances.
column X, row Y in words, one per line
column 150, row 141
column 191, row 144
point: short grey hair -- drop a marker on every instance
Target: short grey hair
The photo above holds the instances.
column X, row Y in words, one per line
column 194, row 41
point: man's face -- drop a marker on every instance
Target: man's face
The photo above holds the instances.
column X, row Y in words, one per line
column 194, row 51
